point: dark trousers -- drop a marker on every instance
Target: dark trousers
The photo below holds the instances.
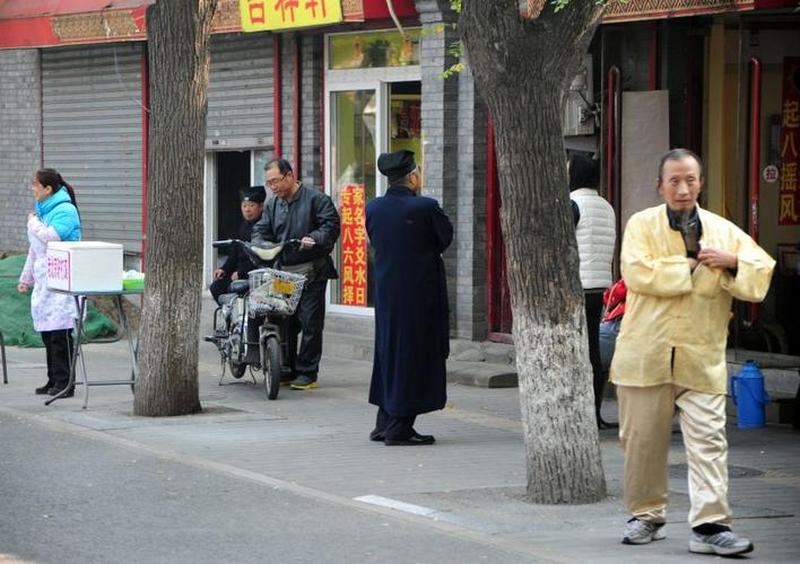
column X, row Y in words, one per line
column 218, row 287
column 594, row 310
column 394, row 428
column 58, row 348
column 310, row 319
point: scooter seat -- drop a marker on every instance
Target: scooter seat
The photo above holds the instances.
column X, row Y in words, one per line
column 240, row 287
column 225, row 299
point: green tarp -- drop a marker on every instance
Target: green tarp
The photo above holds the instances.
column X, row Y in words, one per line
column 15, row 310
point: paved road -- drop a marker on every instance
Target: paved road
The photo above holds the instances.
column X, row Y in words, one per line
column 296, row 480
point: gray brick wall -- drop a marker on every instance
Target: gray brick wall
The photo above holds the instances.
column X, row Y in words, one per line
column 471, row 314
column 454, row 125
column 287, row 95
column 311, row 54
column 20, row 142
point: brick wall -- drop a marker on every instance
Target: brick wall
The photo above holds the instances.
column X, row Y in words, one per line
column 20, row 142
column 311, row 55
column 454, row 125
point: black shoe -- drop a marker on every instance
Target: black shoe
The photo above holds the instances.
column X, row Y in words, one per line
column 303, row 382
column 376, row 435
column 55, row 390
column 44, row 389
column 414, row 440
column 602, row 425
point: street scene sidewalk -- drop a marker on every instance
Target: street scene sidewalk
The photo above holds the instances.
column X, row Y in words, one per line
column 297, row 480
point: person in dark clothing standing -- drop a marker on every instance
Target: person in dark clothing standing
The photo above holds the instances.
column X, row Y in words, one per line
column 408, row 234
column 301, row 212
column 238, row 264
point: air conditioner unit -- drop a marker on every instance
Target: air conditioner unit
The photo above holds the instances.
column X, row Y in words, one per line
column 579, row 117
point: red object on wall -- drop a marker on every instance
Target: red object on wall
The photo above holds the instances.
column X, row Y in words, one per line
column 499, row 295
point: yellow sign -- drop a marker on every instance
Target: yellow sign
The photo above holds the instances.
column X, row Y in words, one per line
column 264, row 15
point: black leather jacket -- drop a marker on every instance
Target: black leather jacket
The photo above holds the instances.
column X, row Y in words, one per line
column 310, row 214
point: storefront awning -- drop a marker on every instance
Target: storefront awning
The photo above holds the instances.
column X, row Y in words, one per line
column 46, row 23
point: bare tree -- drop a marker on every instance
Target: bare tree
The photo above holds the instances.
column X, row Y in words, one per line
column 178, row 34
column 522, row 68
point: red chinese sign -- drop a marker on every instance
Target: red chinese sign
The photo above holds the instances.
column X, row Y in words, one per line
column 354, row 245
column 789, row 204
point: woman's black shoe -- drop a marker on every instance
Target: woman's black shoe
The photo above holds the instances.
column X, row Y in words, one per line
column 55, row 390
column 44, row 389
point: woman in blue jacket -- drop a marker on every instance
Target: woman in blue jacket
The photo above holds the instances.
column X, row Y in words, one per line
column 56, row 219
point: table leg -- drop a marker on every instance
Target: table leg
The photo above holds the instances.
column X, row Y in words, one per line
column 3, row 352
column 132, row 347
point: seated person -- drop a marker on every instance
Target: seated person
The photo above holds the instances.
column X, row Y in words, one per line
column 238, row 263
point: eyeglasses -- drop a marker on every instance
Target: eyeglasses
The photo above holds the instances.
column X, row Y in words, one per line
column 276, row 181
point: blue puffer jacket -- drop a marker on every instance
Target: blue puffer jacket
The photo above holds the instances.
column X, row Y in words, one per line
column 58, row 212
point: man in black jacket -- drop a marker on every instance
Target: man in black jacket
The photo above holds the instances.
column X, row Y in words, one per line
column 301, row 212
column 238, row 264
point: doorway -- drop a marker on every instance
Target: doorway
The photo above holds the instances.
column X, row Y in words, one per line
column 233, row 173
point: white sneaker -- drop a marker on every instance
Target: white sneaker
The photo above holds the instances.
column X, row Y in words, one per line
column 642, row 532
column 725, row 543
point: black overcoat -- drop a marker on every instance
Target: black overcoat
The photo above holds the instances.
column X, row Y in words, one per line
column 408, row 234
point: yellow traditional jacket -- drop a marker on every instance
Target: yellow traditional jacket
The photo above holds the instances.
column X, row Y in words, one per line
column 675, row 326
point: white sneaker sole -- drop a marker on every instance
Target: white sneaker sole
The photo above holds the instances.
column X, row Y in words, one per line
column 705, row 548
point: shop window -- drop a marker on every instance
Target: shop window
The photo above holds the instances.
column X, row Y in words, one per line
column 373, row 50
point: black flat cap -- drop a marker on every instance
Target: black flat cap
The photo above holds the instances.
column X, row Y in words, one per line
column 395, row 166
column 255, row 194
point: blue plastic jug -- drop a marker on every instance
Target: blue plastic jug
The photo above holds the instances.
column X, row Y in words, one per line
column 749, row 396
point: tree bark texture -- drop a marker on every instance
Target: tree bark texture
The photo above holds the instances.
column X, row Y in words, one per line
column 522, row 69
column 178, row 47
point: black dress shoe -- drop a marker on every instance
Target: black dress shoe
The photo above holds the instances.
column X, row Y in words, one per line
column 414, row 440
column 44, row 389
column 602, row 425
column 376, row 435
column 55, row 390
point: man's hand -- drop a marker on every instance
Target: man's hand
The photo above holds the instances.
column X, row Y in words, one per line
column 307, row 243
column 219, row 273
column 715, row 258
column 22, row 288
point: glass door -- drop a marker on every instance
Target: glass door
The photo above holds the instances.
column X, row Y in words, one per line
column 355, row 131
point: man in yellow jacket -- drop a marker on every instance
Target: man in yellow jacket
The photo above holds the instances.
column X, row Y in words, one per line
column 683, row 266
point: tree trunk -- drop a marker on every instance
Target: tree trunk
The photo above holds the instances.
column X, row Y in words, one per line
column 522, row 68
column 178, row 44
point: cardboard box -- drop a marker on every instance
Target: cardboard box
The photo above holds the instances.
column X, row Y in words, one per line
column 84, row 266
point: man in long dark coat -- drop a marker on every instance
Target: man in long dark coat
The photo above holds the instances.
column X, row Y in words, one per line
column 408, row 233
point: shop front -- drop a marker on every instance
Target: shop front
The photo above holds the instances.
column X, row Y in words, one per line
column 373, row 95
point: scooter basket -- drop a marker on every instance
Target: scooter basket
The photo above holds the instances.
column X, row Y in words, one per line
column 274, row 291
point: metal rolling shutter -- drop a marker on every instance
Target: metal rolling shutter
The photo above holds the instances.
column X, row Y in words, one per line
column 240, row 92
column 92, row 126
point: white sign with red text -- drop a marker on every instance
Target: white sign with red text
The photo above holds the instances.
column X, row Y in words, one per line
column 84, row 266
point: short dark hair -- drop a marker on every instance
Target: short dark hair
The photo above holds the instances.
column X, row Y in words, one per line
column 678, row 155
column 584, row 171
column 282, row 165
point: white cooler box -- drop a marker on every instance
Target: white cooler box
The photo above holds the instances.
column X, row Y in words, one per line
column 84, row 266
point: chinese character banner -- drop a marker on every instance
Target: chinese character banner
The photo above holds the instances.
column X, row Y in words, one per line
column 265, row 15
column 789, row 206
column 354, row 245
